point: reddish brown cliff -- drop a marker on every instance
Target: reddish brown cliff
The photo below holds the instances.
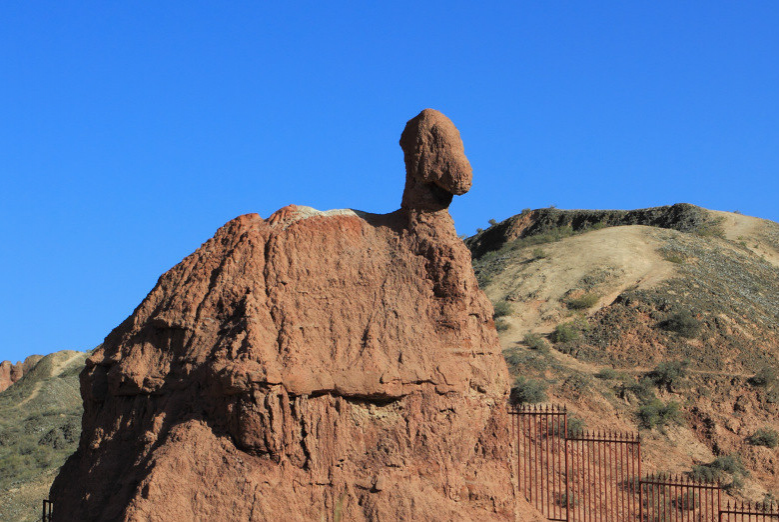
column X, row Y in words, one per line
column 312, row 366
column 10, row 373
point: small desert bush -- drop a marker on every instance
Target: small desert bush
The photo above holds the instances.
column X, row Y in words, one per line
column 673, row 257
column 539, row 253
column 535, row 342
column 502, row 308
column 576, row 425
column 565, row 333
column 583, row 302
column 657, row 414
column 684, row 323
column 501, row 325
column 527, row 391
column 607, row 374
column 577, row 383
column 765, row 437
column 717, row 470
column 669, row 374
column 765, row 377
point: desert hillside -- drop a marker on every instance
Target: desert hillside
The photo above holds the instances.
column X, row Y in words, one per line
column 40, row 423
column 664, row 320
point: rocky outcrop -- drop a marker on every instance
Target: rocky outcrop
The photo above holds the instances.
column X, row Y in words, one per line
column 312, row 366
column 681, row 216
column 11, row 373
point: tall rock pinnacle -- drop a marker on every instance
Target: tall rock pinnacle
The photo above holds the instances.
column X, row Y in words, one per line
column 314, row 366
column 436, row 166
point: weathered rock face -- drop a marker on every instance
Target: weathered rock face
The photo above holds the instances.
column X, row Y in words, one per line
column 11, row 373
column 312, row 366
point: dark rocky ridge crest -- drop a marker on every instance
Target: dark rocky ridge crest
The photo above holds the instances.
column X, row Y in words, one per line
column 681, row 216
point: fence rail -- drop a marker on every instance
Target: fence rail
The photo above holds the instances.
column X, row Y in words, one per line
column 48, row 510
column 597, row 477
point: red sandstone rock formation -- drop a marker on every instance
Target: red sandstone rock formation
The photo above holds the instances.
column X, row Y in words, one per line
column 10, row 373
column 314, row 366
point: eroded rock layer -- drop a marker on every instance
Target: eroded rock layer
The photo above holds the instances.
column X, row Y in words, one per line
column 11, row 373
column 312, row 366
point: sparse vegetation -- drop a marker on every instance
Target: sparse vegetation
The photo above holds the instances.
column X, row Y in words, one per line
column 502, row 325
column 716, row 470
column 535, row 342
column 501, row 309
column 577, row 383
column 767, row 437
column 607, row 374
column 576, row 425
column 684, row 323
column 670, row 374
column 492, row 222
column 675, row 258
column 527, row 391
column 765, row 377
column 565, row 333
column 582, row 302
column 539, row 253
column 657, row 414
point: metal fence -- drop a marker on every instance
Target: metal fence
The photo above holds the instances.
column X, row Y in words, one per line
column 48, row 511
column 597, row 477
column 750, row 512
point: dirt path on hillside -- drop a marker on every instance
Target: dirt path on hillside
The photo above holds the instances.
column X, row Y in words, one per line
column 605, row 262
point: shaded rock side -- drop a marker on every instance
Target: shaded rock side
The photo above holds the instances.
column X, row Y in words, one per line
column 11, row 373
column 312, row 366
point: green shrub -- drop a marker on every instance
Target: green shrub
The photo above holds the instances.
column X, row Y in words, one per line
column 669, row 373
column 765, row 437
column 565, row 333
column 656, row 414
column 539, row 253
column 568, row 499
column 501, row 325
column 583, row 302
column 674, row 256
column 577, row 383
column 502, row 308
column 527, row 391
column 643, row 390
column 607, row 374
column 535, row 342
column 684, row 323
column 575, row 425
column 765, row 377
column 492, row 222
column 717, row 469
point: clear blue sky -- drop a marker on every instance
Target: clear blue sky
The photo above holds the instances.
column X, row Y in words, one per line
column 130, row 131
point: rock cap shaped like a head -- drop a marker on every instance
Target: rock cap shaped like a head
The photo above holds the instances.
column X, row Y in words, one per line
column 436, row 166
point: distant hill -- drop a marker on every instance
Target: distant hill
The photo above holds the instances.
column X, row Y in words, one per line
column 664, row 318
column 40, row 424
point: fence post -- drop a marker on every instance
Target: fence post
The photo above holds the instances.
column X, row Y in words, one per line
column 567, row 482
column 640, row 489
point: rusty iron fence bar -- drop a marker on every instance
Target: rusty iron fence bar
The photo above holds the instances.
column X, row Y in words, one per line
column 581, row 476
column 761, row 511
column 48, row 510
column 670, row 498
column 539, row 432
column 597, row 477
